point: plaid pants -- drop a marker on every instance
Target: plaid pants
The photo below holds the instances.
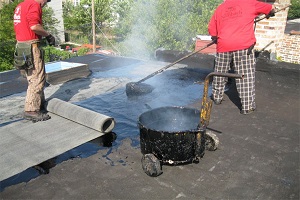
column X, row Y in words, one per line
column 242, row 64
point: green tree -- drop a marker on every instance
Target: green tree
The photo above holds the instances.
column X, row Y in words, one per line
column 68, row 9
column 79, row 18
column 7, row 36
column 294, row 11
column 49, row 22
column 165, row 24
column 123, row 21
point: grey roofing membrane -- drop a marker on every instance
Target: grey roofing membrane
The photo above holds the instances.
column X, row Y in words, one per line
column 258, row 155
column 24, row 144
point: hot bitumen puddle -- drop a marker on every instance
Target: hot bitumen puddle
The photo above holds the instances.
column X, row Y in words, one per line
column 174, row 87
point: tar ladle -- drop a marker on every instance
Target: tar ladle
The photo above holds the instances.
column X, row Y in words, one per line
column 206, row 105
column 138, row 88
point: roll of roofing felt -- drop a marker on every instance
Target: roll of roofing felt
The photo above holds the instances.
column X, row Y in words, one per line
column 81, row 115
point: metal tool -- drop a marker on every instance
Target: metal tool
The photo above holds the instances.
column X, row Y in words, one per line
column 170, row 135
column 261, row 17
column 207, row 104
column 211, row 140
column 257, row 53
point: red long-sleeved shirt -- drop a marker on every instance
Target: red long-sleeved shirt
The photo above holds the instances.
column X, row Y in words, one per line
column 233, row 23
column 27, row 14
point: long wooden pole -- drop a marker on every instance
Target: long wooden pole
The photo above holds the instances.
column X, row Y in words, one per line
column 93, row 25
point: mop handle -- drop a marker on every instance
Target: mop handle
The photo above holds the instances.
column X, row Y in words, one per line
column 170, row 65
column 259, row 18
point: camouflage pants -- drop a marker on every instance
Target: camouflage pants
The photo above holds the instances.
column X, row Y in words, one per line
column 36, row 78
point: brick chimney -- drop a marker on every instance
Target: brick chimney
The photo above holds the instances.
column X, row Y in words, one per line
column 272, row 29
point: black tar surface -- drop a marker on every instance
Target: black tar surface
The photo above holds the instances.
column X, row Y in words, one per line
column 258, row 156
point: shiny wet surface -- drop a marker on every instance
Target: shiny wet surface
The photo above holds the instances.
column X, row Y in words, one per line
column 170, row 119
column 174, row 87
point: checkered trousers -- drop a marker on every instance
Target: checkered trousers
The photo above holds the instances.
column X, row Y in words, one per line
column 242, row 64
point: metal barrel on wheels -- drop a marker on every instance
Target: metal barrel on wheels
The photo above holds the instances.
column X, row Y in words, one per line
column 175, row 135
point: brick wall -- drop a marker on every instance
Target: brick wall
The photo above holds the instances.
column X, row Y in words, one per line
column 284, row 47
column 290, row 49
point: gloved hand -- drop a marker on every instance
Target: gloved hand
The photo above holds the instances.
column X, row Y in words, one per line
column 50, row 39
column 272, row 13
column 23, row 73
column 214, row 39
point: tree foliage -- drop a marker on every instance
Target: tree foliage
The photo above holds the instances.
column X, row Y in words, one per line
column 53, row 54
column 7, row 36
column 49, row 22
column 294, row 11
column 170, row 24
column 142, row 26
column 79, row 18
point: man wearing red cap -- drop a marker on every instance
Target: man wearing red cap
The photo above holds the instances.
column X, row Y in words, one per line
column 29, row 55
column 232, row 27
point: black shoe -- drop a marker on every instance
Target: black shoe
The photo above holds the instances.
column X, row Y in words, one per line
column 246, row 112
column 217, row 102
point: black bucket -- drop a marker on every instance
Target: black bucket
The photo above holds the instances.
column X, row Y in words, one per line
column 172, row 134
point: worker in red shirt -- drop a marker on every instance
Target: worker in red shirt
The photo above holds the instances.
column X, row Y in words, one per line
column 232, row 27
column 29, row 55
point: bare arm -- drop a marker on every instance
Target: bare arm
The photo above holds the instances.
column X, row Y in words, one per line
column 39, row 30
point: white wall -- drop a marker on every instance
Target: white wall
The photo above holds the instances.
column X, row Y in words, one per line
column 56, row 5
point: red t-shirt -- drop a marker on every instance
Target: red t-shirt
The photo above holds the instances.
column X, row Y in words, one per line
column 27, row 14
column 233, row 23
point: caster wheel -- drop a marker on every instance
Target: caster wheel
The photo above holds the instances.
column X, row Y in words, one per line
column 211, row 141
column 151, row 165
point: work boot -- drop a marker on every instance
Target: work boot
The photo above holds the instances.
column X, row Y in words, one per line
column 246, row 112
column 216, row 102
column 36, row 116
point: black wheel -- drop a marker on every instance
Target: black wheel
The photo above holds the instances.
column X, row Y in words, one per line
column 211, row 141
column 151, row 165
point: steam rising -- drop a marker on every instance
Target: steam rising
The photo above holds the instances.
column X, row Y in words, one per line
column 171, row 119
column 141, row 34
column 172, row 25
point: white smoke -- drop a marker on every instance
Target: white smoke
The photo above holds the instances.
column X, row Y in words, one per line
column 142, row 33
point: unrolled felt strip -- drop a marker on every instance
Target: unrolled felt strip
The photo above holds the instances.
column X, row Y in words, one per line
column 81, row 115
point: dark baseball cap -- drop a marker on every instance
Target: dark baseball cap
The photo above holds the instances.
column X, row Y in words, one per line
column 48, row 0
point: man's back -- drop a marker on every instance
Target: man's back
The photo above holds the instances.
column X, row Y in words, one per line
column 233, row 23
